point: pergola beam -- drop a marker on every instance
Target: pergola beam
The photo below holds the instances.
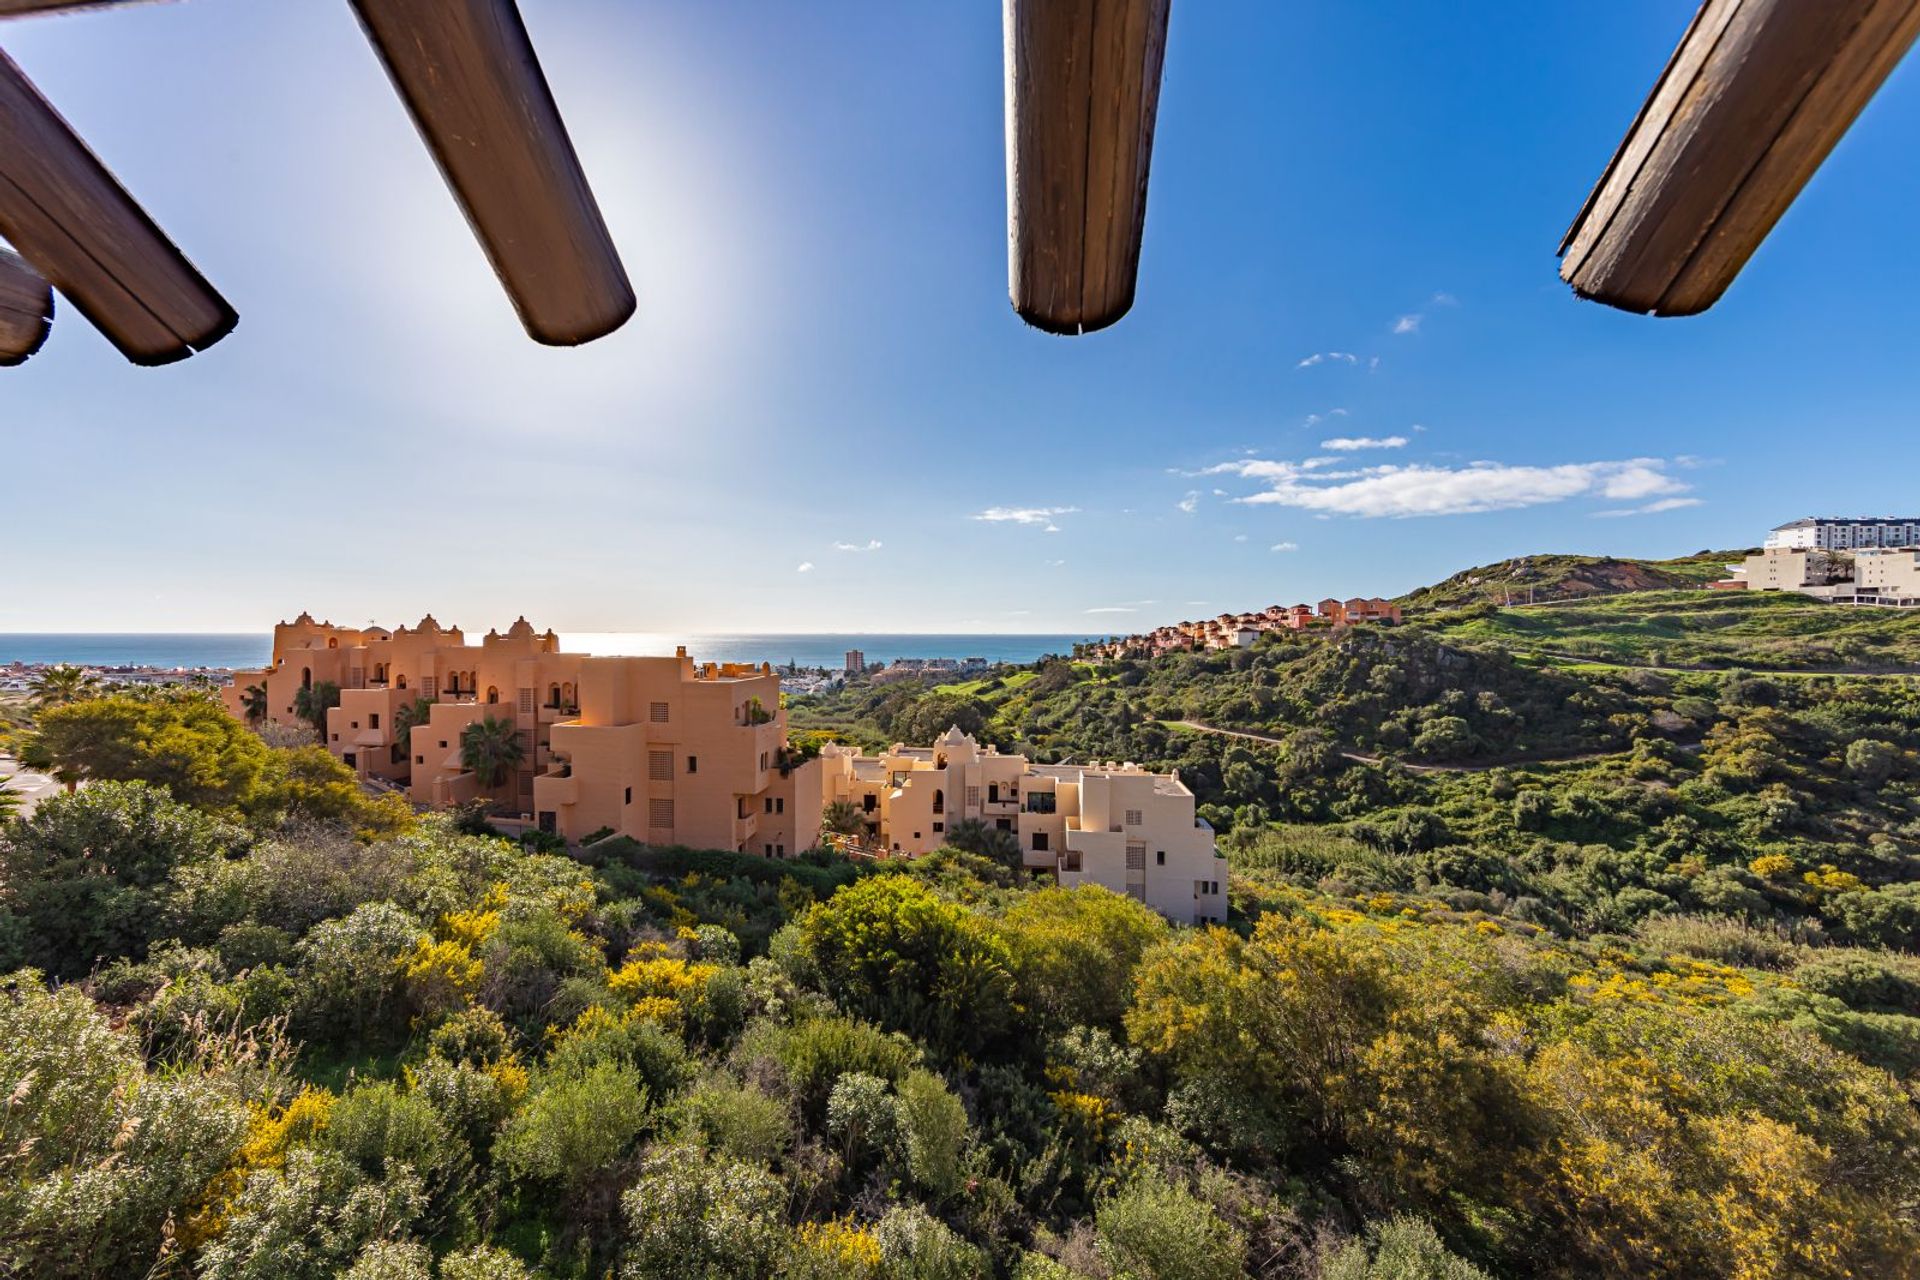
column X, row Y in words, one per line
column 470, row 79
column 65, row 213
column 1751, row 103
column 22, row 8
column 26, row 309
column 1083, row 90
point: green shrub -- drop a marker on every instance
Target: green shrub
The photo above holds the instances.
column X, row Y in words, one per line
column 693, row 1215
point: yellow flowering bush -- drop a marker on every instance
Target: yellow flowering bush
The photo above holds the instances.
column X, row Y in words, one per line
column 270, row 1134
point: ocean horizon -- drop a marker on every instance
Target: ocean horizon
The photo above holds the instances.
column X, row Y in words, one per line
column 252, row 650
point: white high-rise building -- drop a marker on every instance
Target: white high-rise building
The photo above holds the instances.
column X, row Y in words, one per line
column 1845, row 533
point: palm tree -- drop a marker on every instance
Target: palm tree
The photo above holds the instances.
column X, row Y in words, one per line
column 410, row 716
column 841, row 818
column 254, row 702
column 311, row 704
column 58, row 685
column 491, row 748
column 971, row 835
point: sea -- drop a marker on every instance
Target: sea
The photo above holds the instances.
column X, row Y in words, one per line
column 247, row 651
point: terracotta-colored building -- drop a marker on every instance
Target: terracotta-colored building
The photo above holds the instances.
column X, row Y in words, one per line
column 1116, row 825
column 657, row 748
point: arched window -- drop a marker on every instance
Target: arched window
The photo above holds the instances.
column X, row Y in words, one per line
column 493, row 694
column 333, row 642
column 402, row 682
column 939, row 802
column 553, row 695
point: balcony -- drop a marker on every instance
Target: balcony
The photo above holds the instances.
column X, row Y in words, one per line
column 555, row 787
column 549, row 713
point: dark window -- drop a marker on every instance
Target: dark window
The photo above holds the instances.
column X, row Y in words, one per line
column 373, row 721
column 869, row 803
column 780, row 805
column 1005, row 824
column 1160, row 857
column 629, row 795
column 938, row 827
column 693, row 764
column 1039, row 842
column 547, row 820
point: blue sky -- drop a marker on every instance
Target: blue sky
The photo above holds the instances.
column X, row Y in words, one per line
column 824, row 371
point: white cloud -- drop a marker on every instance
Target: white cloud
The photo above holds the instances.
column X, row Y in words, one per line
column 1652, row 508
column 871, row 544
column 1315, row 419
column 1114, row 608
column 1055, row 564
column 1322, row 357
column 806, row 566
column 1422, row 489
column 1347, row 444
column 1188, row 503
column 1408, row 323
column 1042, row 516
column 1239, row 537
column 1284, row 546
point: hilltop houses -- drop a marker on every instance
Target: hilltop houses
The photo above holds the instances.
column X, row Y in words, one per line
column 1243, row 630
column 1842, row 560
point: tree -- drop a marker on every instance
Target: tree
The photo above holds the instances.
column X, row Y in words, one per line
column 491, row 749
column 691, row 1214
column 100, row 1158
column 1074, row 952
column 62, row 685
column 87, row 873
column 888, row 949
column 312, row 704
column 842, row 818
column 186, row 743
column 971, row 835
column 409, row 717
column 253, row 700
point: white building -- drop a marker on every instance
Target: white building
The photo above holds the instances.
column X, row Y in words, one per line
column 1117, row 825
column 1846, row 533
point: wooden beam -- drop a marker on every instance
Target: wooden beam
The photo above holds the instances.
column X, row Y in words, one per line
column 25, row 8
column 468, row 75
column 80, row 229
column 1083, row 90
column 1752, row 101
column 26, row 309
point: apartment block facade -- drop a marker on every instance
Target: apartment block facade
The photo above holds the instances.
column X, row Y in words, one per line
column 657, row 748
column 1846, row 533
column 1117, row 825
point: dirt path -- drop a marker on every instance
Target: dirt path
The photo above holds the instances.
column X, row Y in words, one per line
column 1574, row 757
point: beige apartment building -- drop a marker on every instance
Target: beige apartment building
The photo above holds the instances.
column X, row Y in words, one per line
column 1889, row 576
column 657, row 748
column 1807, row 570
column 1133, row 831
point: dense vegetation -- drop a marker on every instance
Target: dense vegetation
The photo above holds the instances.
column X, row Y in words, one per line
column 1592, row 972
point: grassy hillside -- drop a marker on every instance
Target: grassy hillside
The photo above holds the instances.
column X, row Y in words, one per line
column 1765, row 630
column 1538, row 579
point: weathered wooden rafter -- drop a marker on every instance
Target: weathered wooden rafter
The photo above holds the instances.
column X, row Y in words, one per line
column 1083, row 90
column 1750, row 104
column 472, row 83
column 65, row 213
column 26, row 309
